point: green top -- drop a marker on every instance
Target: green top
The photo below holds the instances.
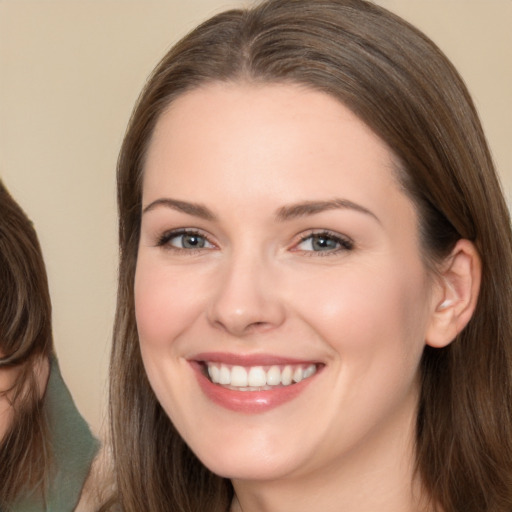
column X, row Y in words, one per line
column 74, row 449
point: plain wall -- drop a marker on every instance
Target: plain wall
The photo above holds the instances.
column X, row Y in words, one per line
column 70, row 71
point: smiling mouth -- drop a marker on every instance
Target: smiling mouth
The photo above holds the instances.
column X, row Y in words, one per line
column 257, row 378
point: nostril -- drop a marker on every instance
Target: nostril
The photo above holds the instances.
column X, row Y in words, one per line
column 242, row 328
column 241, row 310
column 259, row 326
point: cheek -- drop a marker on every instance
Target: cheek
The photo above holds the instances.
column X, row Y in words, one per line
column 371, row 314
column 165, row 303
column 374, row 324
column 163, row 310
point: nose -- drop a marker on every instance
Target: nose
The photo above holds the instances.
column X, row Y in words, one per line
column 246, row 300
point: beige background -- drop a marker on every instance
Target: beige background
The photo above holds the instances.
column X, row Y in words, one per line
column 70, row 71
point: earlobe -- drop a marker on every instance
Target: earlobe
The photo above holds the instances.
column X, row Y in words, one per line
column 456, row 294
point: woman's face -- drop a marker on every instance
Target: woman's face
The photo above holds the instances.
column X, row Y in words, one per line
column 276, row 246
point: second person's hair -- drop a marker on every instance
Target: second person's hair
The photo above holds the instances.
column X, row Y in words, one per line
column 25, row 340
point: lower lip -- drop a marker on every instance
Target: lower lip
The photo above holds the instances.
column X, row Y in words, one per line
column 249, row 402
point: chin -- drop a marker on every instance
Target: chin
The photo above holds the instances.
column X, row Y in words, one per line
column 252, row 457
column 240, row 468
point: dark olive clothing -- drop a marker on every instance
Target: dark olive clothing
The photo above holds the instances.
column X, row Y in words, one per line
column 74, row 448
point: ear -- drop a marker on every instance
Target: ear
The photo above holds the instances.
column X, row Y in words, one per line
column 455, row 296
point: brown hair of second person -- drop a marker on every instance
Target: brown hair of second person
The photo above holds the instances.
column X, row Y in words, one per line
column 25, row 342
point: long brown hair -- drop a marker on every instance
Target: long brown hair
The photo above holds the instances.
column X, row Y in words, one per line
column 402, row 86
column 25, row 338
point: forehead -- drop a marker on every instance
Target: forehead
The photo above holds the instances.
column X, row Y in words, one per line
column 247, row 146
column 251, row 127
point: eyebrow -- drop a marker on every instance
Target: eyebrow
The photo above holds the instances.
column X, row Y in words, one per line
column 313, row 207
column 197, row 210
column 283, row 214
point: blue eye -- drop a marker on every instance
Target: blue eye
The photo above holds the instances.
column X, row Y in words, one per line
column 184, row 240
column 324, row 242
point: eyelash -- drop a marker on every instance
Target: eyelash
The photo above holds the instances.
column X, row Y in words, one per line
column 344, row 243
column 165, row 238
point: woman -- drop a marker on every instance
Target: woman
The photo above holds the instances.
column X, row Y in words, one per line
column 315, row 275
column 46, row 448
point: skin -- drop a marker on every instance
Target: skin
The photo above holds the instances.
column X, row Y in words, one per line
column 257, row 286
column 8, row 378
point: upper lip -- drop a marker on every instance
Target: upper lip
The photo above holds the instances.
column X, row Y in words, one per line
column 248, row 359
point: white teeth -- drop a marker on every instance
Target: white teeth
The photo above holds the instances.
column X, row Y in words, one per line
column 310, row 370
column 298, row 374
column 214, row 373
column 274, row 376
column 287, row 376
column 258, row 377
column 224, row 375
column 239, row 376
